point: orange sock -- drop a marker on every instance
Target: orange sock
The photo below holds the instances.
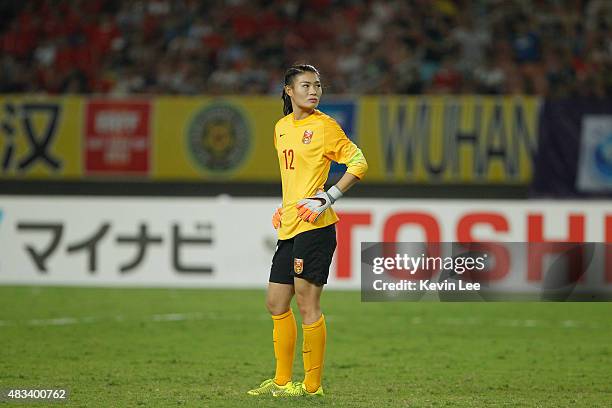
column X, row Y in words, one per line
column 284, row 336
column 313, row 352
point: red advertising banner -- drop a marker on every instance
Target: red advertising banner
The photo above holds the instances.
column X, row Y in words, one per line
column 117, row 137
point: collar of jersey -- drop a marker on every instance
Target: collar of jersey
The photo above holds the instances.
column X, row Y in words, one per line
column 305, row 120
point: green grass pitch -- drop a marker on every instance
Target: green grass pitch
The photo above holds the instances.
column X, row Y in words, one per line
column 206, row 348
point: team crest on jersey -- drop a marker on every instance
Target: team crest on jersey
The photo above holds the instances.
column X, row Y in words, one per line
column 307, row 136
column 298, row 265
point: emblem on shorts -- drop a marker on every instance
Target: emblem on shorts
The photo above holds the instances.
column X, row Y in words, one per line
column 298, row 265
column 307, row 136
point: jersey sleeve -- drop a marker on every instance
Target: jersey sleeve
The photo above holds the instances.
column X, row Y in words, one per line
column 339, row 148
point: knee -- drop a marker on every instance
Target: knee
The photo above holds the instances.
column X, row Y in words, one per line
column 310, row 311
column 276, row 307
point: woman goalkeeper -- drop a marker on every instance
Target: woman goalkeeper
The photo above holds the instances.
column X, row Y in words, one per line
column 307, row 141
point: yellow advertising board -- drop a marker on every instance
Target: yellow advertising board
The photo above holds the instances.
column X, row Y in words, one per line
column 442, row 139
column 40, row 137
column 414, row 139
column 216, row 139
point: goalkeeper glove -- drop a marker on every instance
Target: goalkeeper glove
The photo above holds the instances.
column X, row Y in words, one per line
column 276, row 218
column 310, row 208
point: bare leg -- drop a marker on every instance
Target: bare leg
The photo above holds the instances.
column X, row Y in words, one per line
column 278, row 298
column 308, row 296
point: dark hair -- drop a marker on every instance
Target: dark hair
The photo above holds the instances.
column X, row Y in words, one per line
column 289, row 75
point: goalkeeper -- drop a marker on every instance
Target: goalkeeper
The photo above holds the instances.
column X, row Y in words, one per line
column 307, row 141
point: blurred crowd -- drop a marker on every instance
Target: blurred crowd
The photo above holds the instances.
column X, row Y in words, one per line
column 556, row 48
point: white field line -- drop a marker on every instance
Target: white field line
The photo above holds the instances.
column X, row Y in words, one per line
column 415, row 320
column 168, row 317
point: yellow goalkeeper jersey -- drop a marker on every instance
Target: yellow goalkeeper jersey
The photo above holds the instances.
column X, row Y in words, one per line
column 305, row 150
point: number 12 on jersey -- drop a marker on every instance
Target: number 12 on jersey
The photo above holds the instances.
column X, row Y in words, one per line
column 288, row 159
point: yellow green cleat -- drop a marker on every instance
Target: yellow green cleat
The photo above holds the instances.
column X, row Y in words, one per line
column 298, row 389
column 268, row 387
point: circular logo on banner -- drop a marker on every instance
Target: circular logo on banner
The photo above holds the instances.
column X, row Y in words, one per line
column 219, row 138
column 603, row 156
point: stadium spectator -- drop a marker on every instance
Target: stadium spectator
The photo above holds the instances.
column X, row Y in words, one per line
column 549, row 47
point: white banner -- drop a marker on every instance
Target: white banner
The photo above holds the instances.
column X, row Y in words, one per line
column 229, row 242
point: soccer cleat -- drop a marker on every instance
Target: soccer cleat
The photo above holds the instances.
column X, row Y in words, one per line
column 268, row 387
column 298, row 389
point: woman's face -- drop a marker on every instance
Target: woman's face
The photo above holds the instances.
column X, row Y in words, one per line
column 305, row 92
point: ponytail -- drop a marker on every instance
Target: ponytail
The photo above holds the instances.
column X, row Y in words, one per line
column 289, row 75
column 287, row 107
